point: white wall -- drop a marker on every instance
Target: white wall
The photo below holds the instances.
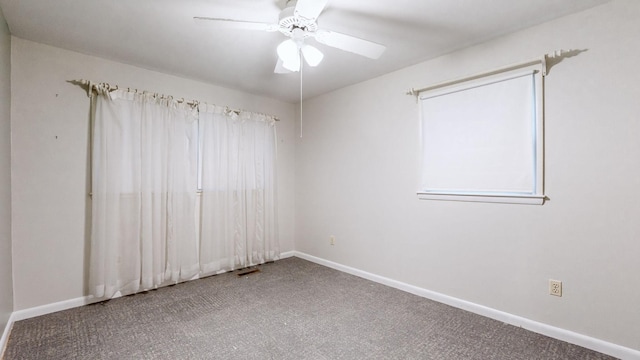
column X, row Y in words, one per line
column 50, row 157
column 356, row 178
column 6, row 278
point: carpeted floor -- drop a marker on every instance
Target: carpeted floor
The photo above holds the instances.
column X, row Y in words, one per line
column 291, row 309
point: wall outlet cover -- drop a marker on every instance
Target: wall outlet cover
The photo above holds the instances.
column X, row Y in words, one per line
column 555, row 287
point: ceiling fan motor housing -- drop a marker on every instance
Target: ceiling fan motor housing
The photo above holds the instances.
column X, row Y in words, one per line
column 289, row 22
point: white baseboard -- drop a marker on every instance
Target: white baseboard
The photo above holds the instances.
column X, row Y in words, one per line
column 287, row 254
column 540, row 328
column 51, row 308
column 5, row 335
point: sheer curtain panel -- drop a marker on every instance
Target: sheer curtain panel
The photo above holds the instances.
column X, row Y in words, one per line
column 238, row 204
column 143, row 183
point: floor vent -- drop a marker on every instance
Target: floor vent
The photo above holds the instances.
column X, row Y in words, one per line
column 248, row 272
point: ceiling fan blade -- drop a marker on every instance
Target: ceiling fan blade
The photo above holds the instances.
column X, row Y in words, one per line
column 350, row 43
column 310, row 9
column 236, row 24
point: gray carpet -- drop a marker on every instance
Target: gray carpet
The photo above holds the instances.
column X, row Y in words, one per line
column 291, row 309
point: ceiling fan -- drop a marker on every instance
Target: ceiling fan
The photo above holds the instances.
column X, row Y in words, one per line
column 298, row 22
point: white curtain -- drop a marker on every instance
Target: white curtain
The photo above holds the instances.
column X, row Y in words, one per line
column 144, row 181
column 238, row 205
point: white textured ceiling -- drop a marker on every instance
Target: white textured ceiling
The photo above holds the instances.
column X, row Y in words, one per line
column 162, row 35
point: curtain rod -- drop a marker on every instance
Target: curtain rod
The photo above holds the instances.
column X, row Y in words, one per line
column 93, row 87
column 544, row 60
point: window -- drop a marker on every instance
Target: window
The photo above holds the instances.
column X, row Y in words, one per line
column 482, row 138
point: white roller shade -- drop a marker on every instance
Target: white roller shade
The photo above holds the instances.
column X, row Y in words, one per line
column 481, row 137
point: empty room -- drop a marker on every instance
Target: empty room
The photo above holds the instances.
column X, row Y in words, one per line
column 319, row 179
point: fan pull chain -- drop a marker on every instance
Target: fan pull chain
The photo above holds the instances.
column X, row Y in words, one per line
column 301, row 67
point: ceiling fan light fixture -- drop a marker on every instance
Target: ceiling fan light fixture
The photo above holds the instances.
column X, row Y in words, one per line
column 292, row 66
column 288, row 53
column 312, row 56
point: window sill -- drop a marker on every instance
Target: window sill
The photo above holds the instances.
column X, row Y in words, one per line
column 486, row 198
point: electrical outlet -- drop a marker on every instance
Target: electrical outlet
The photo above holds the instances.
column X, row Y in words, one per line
column 555, row 287
column 332, row 240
